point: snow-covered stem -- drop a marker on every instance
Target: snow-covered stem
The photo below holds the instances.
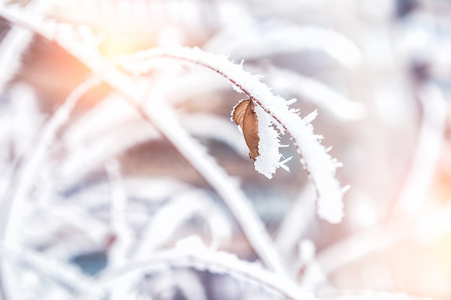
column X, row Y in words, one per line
column 28, row 166
column 201, row 258
column 27, row 170
column 119, row 226
column 14, row 44
column 93, row 137
column 233, row 197
column 320, row 166
column 174, row 215
column 78, row 218
column 163, row 118
column 318, row 163
column 62, row 274
column 80, row 43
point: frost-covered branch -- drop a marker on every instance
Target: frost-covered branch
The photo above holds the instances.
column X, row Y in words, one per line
column 174, row 215
column 168, row 125
column 192, row 254
column 93, row 137
column 59, row 272
column 28, row 166
column 318, row 163
column 15, row 42
column 81, row 43
column 228, row 189
column 120, row 228
column 23, row 177
column 20, row 121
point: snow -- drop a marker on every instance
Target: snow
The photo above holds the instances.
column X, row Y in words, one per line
column 269, row 159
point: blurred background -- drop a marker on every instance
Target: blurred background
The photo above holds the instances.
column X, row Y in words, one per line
column 377, row 71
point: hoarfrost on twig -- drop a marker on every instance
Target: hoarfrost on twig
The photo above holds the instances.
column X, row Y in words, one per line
column 318, row 163
column 192, row 253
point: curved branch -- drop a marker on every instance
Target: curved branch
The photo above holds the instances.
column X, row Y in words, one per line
column 234, row 198
column 320, row 166
column 26, row 172
column 15, row 42
column 63, row 274
column 27, row 167
column 201, row 258
column 227, row 189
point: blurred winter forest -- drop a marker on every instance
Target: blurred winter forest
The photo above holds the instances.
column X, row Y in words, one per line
column 124, row 177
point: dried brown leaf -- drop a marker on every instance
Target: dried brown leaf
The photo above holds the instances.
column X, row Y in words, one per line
column 245, row 116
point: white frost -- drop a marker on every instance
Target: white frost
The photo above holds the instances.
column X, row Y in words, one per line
column 268, row 147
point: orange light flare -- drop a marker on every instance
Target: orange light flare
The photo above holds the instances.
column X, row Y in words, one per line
column 124, row 26
column 116, row 43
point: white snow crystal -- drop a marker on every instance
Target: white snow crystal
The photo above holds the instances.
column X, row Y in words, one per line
column 268, row 147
